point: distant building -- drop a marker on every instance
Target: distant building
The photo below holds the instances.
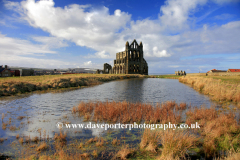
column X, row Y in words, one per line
column 26, row 72
column 5, row 72
column 233, row 70
column 215, row 70
column 180, row 73
column 130, row 61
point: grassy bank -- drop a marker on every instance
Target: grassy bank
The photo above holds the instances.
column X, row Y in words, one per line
column 17, row 85
column 221, row 89
column 168, row 76
column 218, row 136
column 227, row 79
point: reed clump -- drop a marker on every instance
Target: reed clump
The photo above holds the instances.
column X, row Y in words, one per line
column 176, row 143
column 35, row 139
column 149, row 140
column 100, row 142
column 42, row 147
column 169, row 144
column 95, row 153
column 60, row 139
column 20, row 117
column 4, row 125
column 115, row 141
column 21, row 140
column 124, row 152
column 220, row 132
column 2, row 140
column 126, row 112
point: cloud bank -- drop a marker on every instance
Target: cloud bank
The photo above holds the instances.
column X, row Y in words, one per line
column 167, row 38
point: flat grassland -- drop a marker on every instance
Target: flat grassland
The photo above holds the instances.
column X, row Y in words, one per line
column 220, row 88
column 17, row 85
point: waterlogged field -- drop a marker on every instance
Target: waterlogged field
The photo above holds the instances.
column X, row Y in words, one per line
column 29, row 127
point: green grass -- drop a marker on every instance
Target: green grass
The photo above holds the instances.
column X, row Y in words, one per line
column 168, row 76
column 228, row 79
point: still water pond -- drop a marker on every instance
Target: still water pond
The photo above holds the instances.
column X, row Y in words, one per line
column 46, row 109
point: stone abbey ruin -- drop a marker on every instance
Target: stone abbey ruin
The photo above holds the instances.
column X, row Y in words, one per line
column 130, row 61
column 180, row 73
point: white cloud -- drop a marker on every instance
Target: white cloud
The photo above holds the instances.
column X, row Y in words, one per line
column 102, row 54
column 174, row 66
column 94, row 28
column 88, row 64
column 224, row 16
column 175, row 13
column 23, row 61
column 158, row 53
column 107, row 33
column 225, row 1
column 51, row 42
column 16, row 52
column 12, row 46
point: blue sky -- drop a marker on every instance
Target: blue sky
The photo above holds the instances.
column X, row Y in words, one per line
column 190, row 35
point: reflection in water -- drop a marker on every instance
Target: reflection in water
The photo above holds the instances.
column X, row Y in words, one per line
column 45, row 110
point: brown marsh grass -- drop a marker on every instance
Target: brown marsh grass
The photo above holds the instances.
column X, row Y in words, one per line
column 115, row 141
column 100, row 142
column 218, row 134
column 219, row 131
column 13, row 128
column 2, row 140
column 43, row 146
column 95, row 153
column 176, row 143
column 35, row 139
column 126, row 112
column 2, row 116
column 149, row 137
column 20, row 117
column 124, row 152
column 21, row 140
column 60, row 139
column 4, row 125
column 220, row 89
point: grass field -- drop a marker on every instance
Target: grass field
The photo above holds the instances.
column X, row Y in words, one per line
column 47, row 78
column 225, row 79
column 220, row 88
column 17, row 85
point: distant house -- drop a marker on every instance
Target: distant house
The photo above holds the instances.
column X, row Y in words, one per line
column 215, row 70
column 233, row 70
column 26, row 72
column 5, row 72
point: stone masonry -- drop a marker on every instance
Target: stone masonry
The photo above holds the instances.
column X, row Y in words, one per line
column 130, row 61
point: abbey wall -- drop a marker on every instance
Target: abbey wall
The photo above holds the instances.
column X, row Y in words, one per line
column 130, row 61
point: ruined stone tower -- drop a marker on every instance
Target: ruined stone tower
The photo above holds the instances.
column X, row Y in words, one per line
column 131, row 60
